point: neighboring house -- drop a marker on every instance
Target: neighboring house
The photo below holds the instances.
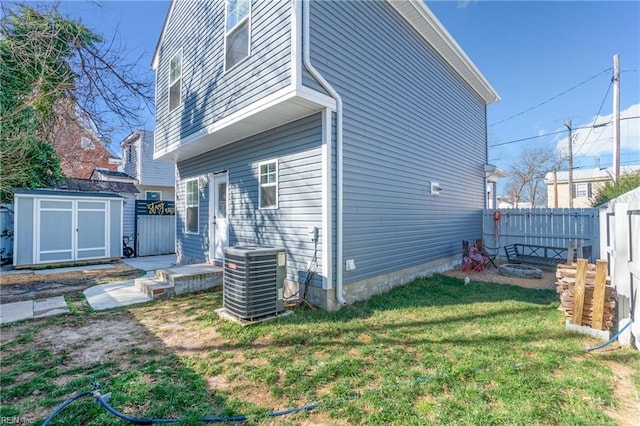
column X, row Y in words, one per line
column 155, row 179
column 363, row 120
column 505, row 203
column 79, row 146
column 586, row 183
column 129, row 204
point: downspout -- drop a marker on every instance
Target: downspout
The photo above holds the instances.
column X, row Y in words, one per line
column 339, row 158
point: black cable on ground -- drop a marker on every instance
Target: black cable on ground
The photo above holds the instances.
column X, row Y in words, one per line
column 613, row 339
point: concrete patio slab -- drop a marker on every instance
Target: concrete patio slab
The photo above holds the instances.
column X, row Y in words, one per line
column 16, row 311
column 151, row 263
column 114, row 295
column 49, row 307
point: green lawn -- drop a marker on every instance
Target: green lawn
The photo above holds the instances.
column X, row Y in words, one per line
column 432, row 352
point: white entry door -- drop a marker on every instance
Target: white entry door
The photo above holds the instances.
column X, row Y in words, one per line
column 218, row 224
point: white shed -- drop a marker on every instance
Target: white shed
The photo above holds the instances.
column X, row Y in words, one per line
column 56, row 226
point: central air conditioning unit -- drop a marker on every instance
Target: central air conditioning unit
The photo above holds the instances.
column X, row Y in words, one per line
column 253, row 281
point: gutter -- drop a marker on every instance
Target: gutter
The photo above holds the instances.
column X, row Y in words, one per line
column 339, row 155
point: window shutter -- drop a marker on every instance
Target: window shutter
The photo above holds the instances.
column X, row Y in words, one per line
column 573, row 191
column 589, row 194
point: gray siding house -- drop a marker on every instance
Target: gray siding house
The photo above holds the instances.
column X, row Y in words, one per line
column 155, row 179
column 363, row 120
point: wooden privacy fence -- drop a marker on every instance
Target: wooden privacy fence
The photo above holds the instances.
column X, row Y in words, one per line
column 586, row 295
column 542, row 226
column 155, row 227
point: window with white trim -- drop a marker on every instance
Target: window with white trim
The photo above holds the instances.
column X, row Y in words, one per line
column 175, row 81
column 268, row 191
column 237, row 32
column 191, row 204
column 153, row 195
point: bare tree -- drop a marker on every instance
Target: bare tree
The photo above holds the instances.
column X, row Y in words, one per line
column 527, row 173
column 55, row 71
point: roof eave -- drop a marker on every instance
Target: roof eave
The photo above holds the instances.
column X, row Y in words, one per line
column 156, row 53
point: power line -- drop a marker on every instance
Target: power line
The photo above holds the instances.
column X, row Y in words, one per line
column 552, row 98
column 596, row 117
column 527, row 139
column 561, row 131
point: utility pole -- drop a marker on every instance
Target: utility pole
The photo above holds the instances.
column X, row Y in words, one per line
column 616, row 117
column 555, row 188
column 568, row 125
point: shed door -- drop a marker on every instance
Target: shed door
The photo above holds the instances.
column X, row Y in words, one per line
column 56, row 223
column 71, row 230
column 91, row 229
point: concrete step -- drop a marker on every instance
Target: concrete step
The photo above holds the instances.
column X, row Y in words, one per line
column 180, row 280
column 154, row 288
column 191, row 278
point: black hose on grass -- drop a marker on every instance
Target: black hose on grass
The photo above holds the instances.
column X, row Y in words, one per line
column 215, row 419
column 220, row 419
column 100, row 399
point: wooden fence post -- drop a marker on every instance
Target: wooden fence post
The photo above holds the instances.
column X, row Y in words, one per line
column 578, row 291
column 597, row 320
column 570, row 253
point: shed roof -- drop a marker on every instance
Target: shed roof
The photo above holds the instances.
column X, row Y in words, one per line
column 65, row 193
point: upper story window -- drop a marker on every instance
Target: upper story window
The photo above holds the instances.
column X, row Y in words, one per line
column 86, row 143
column 268, row 194
column 175, row 81
column 237, row 32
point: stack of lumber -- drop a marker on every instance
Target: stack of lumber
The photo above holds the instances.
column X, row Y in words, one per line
column 586, row 295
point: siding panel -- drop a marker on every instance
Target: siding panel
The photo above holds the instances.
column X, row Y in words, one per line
column 154, row 172
column 297, row 146
column 210, row 93
column 409, row 119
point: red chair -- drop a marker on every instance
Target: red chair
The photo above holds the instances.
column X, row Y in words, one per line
column 472, row 261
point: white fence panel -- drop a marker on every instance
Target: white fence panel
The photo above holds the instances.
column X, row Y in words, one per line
column 542, row 226
column 620, row 236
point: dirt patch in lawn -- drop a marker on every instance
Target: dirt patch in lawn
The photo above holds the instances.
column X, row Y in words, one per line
column 627, row 397
column 491, row 275
column 15, row 287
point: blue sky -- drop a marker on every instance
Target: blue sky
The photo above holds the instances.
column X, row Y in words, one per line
column 528, row 51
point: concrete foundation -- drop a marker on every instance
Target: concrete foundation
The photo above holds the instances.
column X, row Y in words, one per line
column 365, row 289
